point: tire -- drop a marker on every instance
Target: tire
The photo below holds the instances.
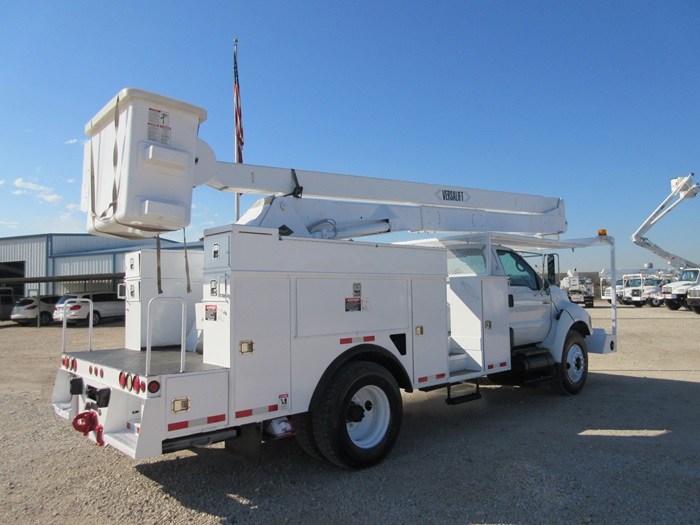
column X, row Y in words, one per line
column 655, row 303
column 96, row 318
column 696, row 309
column 358, row 419
column 305, row 434
column 638, row 305
column 45, row 319
column 573, row 369
column 672, row 304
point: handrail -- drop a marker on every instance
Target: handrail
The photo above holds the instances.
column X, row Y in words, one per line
column 65, row 321
column 149, row 331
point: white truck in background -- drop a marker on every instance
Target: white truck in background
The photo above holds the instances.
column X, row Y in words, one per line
column 693, row 298
column 675, row 293
column 639, row 289
column 303, row 331
column 580, row 289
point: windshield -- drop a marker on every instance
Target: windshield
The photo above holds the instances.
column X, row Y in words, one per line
column 65, row 298
column 688, row 275
column 634, row 283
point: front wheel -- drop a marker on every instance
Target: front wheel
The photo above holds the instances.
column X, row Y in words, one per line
column 696, row 309
column 96, row 318
column 672, row 304
column 359, row 416
column 573, row 369
column 654, row 303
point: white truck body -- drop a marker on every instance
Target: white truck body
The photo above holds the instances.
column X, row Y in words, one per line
column 302, row 333
column 674, row 293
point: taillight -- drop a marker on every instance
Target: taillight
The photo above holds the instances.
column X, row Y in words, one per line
column 122, row 379
column 33, row 307
column 74, row 364
column 75, row 307
column 136, row 384
column 153, row 387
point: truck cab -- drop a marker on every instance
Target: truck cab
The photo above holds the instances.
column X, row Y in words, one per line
column 674, row 293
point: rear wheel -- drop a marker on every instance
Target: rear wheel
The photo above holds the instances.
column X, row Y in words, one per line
column 672, row 304
column 638, row 304
column 359, row 416
column 45, row 318
column 96, row 318
column 696, row 309
column 573, row 369
column 305, row 434
column 654, row 303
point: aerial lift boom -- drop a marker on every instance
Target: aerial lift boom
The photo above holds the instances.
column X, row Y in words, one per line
column 683, row 188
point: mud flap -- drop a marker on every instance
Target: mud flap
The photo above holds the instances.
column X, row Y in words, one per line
column 248, row 445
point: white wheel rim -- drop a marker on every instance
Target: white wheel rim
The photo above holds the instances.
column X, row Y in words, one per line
column 377, row 414
column 575, row 364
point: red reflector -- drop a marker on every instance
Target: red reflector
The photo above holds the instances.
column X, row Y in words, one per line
column 153, row 387
column 178, row 426
column 216, row 419
column 90, row 369
column 244, row 413
column 102, row 372
column 143, row 385
column 122, row 379
column 137, row 384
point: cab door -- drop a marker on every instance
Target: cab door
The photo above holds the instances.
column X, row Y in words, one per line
column 530, row 305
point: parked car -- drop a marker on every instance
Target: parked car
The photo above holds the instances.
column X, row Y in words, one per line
column 105, row 305
column 26, row 310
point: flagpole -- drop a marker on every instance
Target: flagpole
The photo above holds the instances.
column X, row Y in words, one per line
column 238, row 148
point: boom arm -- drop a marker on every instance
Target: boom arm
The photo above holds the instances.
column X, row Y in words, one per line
column 683, row 188
column 144, row 158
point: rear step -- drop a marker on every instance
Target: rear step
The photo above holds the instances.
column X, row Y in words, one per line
column 473, row 395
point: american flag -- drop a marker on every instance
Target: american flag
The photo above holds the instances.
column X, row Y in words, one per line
column 237, row 107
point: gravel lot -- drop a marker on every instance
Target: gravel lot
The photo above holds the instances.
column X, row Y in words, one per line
column 626, row 450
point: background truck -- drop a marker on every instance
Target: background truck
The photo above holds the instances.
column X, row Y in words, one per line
column 579, row 289
column 693, row 298
column 639, row 289
column 304, row 330
column 674, row 293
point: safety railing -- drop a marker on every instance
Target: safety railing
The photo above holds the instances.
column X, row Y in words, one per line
column 149, row 331
column 66, row 311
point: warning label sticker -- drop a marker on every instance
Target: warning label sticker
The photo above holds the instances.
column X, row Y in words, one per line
column 159, row 126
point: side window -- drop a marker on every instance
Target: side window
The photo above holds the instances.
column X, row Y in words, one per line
column 518, row 271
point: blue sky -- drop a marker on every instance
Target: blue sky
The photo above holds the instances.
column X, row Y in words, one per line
column 596, row 102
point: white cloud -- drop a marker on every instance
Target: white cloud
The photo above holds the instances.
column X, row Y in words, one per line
column 21, row 183
column 9, row 224
column 73, row 141
column 73, row 207
column 2, row 182
column 71, row 181
column 49, row 197
column 43, row 193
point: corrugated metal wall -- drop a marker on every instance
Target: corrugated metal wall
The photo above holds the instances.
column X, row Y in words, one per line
column 31, row 250
column 67, row 255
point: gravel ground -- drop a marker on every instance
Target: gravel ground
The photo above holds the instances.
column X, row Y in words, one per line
column 624, row 451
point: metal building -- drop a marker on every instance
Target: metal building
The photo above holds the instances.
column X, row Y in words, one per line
column 55, row 255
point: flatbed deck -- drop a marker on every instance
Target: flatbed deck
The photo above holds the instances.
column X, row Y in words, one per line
column 164, row 361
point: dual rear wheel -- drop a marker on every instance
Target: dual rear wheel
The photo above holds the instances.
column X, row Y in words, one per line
column 357, row 419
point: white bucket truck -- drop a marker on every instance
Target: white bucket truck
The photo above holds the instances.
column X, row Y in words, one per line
column 304, row 331
column 579, row 288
